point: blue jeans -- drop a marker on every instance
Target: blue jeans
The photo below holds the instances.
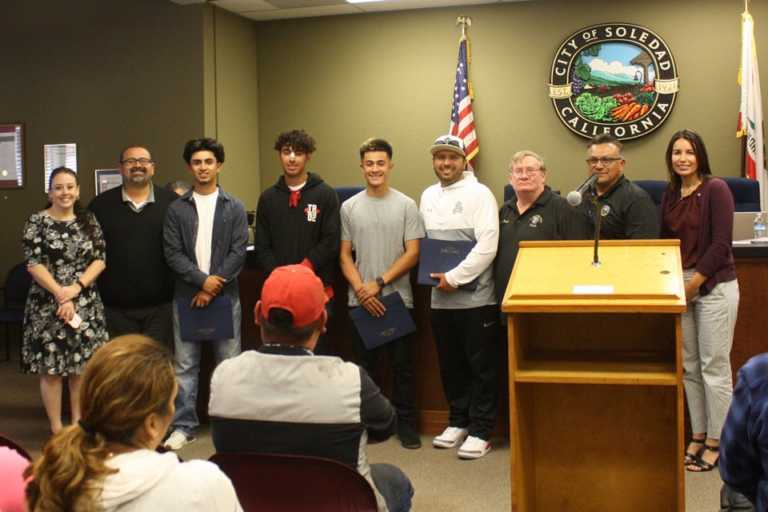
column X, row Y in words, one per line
column 393, row 485
column 187, row 367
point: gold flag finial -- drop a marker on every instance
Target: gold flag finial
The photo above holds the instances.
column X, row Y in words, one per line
column 464, row 21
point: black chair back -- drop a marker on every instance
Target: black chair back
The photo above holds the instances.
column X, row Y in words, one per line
column 746, row 193
column 17, row 285
column 8, row 443
column 15, row 290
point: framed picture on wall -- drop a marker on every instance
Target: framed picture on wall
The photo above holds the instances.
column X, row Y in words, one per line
column 57, row 155
column 11, row 155
column 107, row 179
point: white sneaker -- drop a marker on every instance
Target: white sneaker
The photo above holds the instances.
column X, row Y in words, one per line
column 177, row 440
column 450, row 437
column 474, row 448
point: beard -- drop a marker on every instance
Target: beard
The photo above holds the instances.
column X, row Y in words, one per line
column 138, row 176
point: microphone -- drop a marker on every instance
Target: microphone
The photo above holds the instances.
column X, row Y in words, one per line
column 574, row 196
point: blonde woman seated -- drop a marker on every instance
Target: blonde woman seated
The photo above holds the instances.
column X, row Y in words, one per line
column 107, row 461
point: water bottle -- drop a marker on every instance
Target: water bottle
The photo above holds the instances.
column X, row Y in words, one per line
column 758, row 226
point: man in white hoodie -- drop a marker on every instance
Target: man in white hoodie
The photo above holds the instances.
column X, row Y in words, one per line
column 464, row 322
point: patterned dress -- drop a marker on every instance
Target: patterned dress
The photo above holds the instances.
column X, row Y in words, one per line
column 51, row 346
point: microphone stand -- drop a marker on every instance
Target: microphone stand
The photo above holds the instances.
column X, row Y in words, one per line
column 598, row 222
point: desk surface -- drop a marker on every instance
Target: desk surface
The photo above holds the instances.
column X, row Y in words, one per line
column 744, row 251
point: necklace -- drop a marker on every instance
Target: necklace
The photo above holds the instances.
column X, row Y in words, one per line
column 690, row 189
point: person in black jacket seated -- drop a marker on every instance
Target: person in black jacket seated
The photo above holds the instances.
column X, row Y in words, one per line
column 282, row 399
column 297, row 218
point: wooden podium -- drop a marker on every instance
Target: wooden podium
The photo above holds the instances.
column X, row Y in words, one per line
column 595, row 369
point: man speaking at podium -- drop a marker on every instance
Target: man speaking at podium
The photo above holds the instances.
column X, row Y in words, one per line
column 627, row 211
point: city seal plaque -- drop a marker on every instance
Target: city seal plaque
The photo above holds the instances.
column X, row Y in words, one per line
column 615, row 78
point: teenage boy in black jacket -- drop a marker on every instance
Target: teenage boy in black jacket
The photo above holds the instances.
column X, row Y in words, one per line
column 297, row 219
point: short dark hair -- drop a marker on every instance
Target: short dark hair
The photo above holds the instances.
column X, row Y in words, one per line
column 374, row 144
column 278, row 327
column 298, row 140
column 205, row 144
column 126, row 148
column 605, row 138
column 699, row 149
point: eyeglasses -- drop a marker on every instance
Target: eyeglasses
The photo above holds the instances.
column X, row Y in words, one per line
column 134, row 161
column 528, row 171
column 605, row 161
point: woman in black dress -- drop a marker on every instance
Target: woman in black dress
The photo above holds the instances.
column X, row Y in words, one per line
column 64, row 317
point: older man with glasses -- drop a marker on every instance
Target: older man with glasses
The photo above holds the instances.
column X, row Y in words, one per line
column 534, row 213
column 627, row 211
column 137, row 286
column 465, row 322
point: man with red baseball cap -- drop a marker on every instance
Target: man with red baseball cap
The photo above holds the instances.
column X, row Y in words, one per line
column 284, row 399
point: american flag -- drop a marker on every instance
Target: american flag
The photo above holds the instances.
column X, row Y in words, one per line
column 462, row 119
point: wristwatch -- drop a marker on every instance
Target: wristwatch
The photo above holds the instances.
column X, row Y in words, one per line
column 380, row 282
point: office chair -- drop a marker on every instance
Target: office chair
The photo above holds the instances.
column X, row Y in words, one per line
column 294, row 483
column 14, row 297
column 746, row 193
column 655, row 189
column 345, row 193
column 9, row 443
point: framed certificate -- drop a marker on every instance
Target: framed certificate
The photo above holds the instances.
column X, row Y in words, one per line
column 107, row 179
column 11, row 155
column 58, row 155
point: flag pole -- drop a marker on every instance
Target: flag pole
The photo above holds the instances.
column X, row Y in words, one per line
column 466, row 21
column 462, row 118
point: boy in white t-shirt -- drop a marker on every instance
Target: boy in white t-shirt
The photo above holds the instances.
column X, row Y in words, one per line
column 204, row 237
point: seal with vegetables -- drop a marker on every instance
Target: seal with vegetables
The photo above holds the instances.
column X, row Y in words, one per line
column 615, row 78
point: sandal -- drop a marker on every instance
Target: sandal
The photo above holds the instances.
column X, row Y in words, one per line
column 691, row 457
column 703, row 466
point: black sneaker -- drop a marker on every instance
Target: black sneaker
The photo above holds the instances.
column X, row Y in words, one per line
column 409, row 438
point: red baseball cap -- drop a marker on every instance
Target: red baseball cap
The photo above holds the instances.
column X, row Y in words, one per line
column 296, row 289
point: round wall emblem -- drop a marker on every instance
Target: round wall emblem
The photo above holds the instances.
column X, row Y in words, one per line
column 613, row 78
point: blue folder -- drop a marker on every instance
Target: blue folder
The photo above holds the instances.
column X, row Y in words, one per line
column 213, row 322
column 436, row 256
column 376, row 331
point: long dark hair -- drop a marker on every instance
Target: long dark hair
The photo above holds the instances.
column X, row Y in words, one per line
column 124, row 382
column 699, row 149
column 82, row 216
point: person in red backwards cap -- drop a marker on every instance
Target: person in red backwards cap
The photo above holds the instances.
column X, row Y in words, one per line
column 284, row 399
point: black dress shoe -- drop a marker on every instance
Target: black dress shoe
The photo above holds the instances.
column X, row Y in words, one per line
column 408, row 436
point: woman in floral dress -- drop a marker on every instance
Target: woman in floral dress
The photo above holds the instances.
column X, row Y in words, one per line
column 64, row 317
